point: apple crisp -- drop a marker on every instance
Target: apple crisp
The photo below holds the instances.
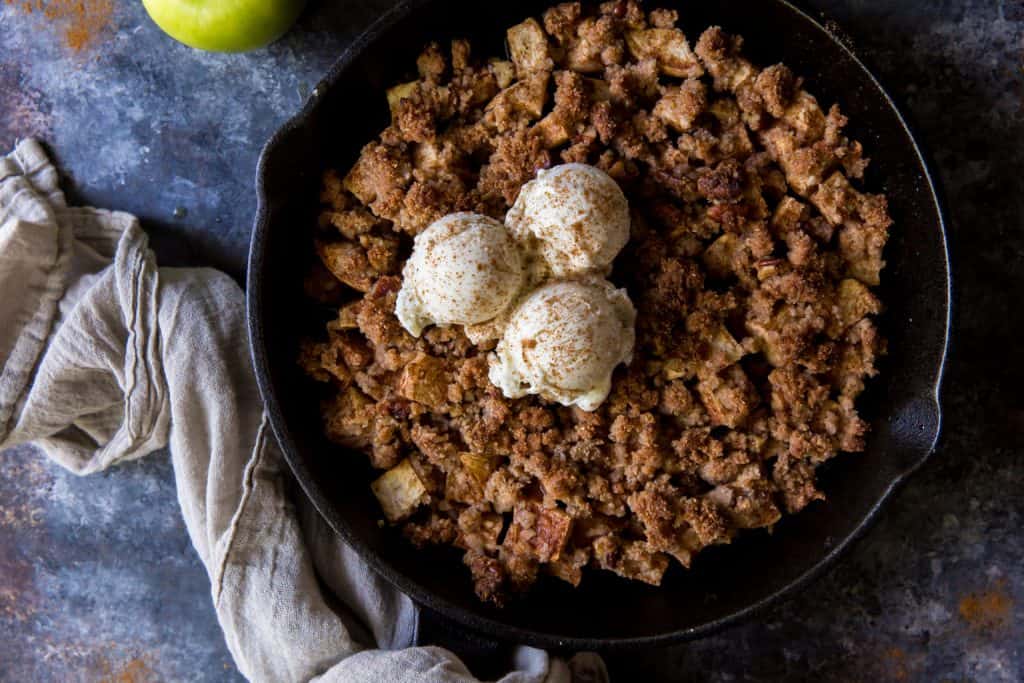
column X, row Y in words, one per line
column 751, row 262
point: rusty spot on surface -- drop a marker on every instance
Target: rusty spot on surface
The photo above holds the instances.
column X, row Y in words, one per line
column 989, row 610
column 136, row 670
column 24, row 112
column 18, row 597
column 82, row 23
column 896, row 659
column 25, row 479
column 102, row 662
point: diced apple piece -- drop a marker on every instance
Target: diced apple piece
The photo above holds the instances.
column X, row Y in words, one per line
column 725, row 350
column 346, row 319
column 805, row 117
column 680, row 105
column 528, row 95
column 398, row 93
column 504, row 72
column 348, row 263
column 805, row 167
column 718, row 258
column 728, row 396
column 553, row 131
column 584, row 53
column 747, row 501
column 529, row 48
column 767, row 342
column 538, row 531
column 788, row 215
column 836, row 198
column 399, row 491
column 677, row 368
column 426, row 156
column 861, row 246
column 569, row 566
column 855, row 302
column 463, row 487
column 631, row 559
column 423, row 380
column 480, row 466
column 669, row 47
column 479, row 531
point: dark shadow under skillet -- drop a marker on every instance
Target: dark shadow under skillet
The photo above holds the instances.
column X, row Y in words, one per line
column 726, row 583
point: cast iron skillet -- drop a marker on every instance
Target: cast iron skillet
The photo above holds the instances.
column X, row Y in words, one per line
column 726, row 583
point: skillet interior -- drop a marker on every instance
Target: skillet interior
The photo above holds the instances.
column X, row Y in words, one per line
column 725, row 583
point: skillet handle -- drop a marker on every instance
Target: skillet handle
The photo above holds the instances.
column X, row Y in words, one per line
column 487, row 659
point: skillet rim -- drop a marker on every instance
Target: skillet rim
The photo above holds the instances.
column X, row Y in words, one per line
column 421, row 595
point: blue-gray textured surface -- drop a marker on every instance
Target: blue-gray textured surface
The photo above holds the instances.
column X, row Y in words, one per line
column 97, row 577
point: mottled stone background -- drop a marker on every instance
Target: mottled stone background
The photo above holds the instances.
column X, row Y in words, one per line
column 98, row 581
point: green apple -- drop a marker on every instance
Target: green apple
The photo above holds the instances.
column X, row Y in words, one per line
column 224, row 25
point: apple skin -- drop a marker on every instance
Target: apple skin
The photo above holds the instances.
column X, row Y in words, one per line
column 224, row 25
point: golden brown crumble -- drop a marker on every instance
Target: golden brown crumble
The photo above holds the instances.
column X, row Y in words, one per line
column 751, row 262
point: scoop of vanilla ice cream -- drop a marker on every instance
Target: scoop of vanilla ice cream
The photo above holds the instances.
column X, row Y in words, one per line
column 576, row 218
column 465, row 269
column 563, row 341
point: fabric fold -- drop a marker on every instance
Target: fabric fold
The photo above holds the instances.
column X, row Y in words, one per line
column 34, row 256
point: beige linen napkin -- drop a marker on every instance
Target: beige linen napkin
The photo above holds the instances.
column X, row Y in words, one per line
column 104, row 357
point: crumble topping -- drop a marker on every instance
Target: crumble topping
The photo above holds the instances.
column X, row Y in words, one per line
column 751, row 261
